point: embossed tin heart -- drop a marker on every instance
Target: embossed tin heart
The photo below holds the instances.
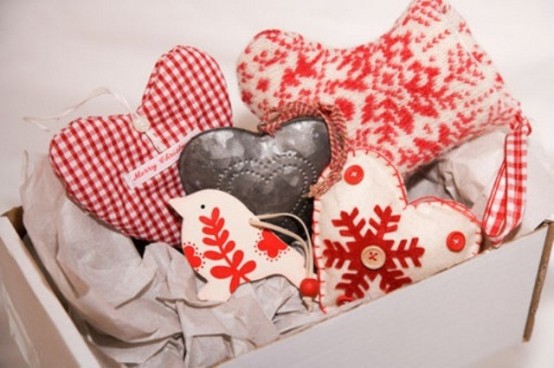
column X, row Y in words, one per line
column 269, row 174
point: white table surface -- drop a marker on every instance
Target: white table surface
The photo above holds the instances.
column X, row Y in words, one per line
column 53, row 53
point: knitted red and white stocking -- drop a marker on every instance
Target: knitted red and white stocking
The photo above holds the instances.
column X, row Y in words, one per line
column 415, row 92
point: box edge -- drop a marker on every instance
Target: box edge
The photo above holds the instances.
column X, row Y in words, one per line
column 539, row 283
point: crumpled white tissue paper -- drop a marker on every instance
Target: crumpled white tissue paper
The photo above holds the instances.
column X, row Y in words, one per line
column 144, row 310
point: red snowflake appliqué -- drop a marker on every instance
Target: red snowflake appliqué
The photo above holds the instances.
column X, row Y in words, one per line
column 362, row 235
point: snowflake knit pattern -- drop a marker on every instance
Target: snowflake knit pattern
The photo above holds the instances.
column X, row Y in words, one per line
column 368, row 241
column 415, row 92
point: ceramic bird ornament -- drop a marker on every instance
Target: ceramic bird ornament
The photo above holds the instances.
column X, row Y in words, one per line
column 223, row 245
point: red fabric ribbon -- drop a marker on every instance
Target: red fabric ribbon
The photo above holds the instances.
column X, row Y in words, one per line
column 506, row 204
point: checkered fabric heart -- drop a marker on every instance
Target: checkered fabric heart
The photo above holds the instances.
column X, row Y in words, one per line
column 118, row 168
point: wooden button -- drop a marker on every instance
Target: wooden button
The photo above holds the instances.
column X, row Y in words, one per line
column 456, row 241
column 373, row 257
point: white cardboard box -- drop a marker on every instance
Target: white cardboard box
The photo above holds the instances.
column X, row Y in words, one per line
column 452, row 319
column 40, row 326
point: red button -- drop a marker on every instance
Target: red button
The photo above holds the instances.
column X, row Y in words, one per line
column 354, row 174
column 456, row 241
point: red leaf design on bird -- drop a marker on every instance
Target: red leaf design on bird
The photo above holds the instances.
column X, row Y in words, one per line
column 224, row 236
column 221, row 272
column 210, row 241
column 240, row 274
column 228, row 247
column 231, row 259
column 237, row 258
column 248, row 267
column 213, row 255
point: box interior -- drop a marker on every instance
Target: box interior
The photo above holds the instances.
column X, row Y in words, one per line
column 426, row 322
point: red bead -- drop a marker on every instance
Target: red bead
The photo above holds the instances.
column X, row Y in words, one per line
column 309, row 287
column 354, row 174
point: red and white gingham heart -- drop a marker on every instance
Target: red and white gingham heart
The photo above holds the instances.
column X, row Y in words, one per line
column 369, row 241
column 118, row 167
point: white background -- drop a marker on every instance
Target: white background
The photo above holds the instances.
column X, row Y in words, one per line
column 53, row 53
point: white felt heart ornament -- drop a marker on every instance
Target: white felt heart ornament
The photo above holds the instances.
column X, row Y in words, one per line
column 121, row 168
column 368, row 240
column 223, row 246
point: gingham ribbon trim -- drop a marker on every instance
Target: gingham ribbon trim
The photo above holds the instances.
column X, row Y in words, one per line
column 506, row 204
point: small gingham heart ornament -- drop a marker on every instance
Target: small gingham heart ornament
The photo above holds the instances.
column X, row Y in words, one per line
column 121, row 168
column 369, row 241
